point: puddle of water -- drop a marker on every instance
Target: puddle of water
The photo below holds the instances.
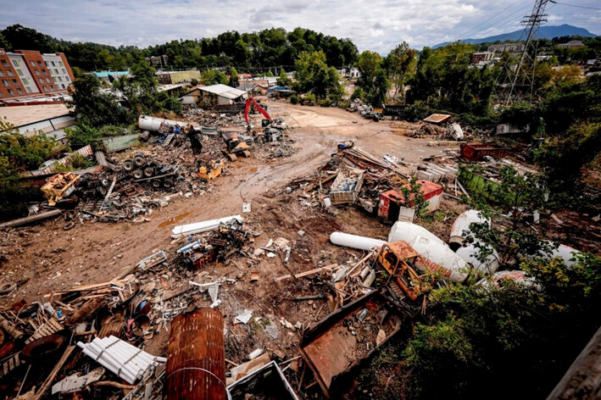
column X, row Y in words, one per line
column 173, row 220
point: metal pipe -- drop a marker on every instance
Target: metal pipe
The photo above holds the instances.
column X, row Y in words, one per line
column 355, row 242
column 29, row 220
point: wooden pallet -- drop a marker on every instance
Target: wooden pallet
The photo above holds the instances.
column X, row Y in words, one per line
column 13, row 362
column 47, row 329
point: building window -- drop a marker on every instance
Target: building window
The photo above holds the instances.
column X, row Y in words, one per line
column 40, row 64
column 63, row 85
column 60, row 63
column 32, row 63
column 4, row 63
column 67, row 79
column 47, row 80
column 60, row 79
column 1, row 73
column 56, row 71
column 43, row 71
column 20, row 72
column 16, row 63
column 40, row 80
column 28, row 89
column 10, row 91
column 25, row 81
column 19, row 91
column 6, row 83
column 52, row 63
column 15, row 82
column 37, row 72
column 44, row 87
column 10, row 73
column 64, row 71
column 51, row 87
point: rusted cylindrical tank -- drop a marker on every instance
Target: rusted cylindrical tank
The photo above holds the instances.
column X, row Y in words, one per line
column 196, row 357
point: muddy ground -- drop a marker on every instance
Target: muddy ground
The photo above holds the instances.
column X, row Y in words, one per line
column 50, row 259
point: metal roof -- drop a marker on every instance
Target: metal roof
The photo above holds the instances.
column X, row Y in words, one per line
column 224, row 91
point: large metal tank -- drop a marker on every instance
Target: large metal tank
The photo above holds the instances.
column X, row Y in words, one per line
column 153, row 124
column 196, row 357
column 406, row 231
column 440, row 258
column 461, row 226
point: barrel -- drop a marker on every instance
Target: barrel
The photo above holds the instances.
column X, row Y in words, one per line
column 196, row 357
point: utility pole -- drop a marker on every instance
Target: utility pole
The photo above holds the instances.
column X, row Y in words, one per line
column 523, row 75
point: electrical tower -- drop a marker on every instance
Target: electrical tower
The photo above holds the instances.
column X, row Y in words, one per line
column 521, row 79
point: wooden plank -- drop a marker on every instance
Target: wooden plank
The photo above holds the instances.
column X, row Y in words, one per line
column 306, row 273
column 50, row 378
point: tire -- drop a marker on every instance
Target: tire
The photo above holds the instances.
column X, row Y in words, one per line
column 156, row 184
column 138, row 174
column 128, row 165
column 70, row 215
column 69, row 226
column 7, row 288
column 105, row 182
column 139, row 160
column 102, row 191
column 149, row 172
column 168, row 184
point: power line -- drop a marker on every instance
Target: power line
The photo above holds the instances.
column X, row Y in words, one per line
column 574, row 5
column 493, row 17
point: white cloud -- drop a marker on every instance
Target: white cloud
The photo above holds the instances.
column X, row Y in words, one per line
column 372, row 24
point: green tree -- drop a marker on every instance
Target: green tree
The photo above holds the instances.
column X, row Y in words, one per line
column 400, row 64
column 213, row 77
column 374, row 80
column 234, row 78
column 313, row 75
column 283, row 79
column 94, row 107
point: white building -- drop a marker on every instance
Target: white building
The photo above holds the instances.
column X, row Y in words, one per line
column 57, row 70
column 23, row 74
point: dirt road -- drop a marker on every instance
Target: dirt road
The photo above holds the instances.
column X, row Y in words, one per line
column 53, row 259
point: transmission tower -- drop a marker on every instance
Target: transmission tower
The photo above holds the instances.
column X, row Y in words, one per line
column 522, row 78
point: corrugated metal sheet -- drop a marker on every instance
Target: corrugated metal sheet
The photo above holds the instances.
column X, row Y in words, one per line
column 223, row 91
column 196, row 357
column 120, row 142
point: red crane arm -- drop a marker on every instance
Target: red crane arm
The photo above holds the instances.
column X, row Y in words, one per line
column 257, row 106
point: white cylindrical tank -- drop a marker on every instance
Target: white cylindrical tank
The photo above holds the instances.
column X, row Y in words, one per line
column 406, row 231
column 566, row 253
column 440, row 258
column 462, row 224
column 355, row 242
column 153, row 124
column 469, row 255
column 520, row 277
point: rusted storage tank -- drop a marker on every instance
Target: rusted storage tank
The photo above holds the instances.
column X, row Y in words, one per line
column 196, row 357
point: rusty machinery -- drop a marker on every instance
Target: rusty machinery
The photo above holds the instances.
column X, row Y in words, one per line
column 401, row 261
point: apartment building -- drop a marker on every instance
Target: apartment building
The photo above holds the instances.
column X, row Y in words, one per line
column 30, row 73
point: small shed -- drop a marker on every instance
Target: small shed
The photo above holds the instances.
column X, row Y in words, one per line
column 223, row 94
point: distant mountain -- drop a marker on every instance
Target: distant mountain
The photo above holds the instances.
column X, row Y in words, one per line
column 546, row 32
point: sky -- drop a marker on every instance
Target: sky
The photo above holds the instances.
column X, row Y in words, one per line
column 371, row 24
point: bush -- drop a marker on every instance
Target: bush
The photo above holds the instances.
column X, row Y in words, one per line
column 82, row 135
column 358, row 93
column 417, row 110
column 310, row 97
column 294, row 99
column 194, row 82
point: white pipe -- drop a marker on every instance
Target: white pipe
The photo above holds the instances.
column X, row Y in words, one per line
column 355, row 242
column 99, row 347
column 204, row 226
column 106, row 362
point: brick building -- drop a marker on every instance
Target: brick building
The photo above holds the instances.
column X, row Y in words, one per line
column 30, row 73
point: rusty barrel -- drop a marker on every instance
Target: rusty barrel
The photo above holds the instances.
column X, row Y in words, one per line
column 196, row 357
